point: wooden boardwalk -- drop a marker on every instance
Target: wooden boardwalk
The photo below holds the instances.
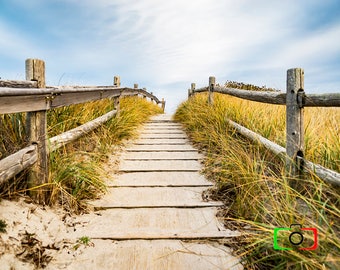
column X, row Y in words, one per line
column 153, row 216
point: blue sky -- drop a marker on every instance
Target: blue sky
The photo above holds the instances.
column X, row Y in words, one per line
column 166, row 45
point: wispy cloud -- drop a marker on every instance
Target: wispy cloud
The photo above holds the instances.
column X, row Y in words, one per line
column 168, row 44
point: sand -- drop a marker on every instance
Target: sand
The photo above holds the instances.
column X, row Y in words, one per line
column 34, row 234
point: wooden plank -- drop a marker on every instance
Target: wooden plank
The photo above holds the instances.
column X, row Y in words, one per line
column 143, row 197
column 162, row 135
column 162, row 141
column 161, row 124
column 158, row 179
column 166, row 132
column 153, row 223
column 161, row 117
column 164, row 127
column 159, row 165
column 161, row 155
column 161, row 147
column 146, row 254
column 17, row 162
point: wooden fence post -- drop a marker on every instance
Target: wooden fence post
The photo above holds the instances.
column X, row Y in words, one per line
column 163, row 105
column 116, row 81
column 192, row 90
column 37, row 134
column 294, row 123
column 211, row 90
column 144, row 97
column 117, row 104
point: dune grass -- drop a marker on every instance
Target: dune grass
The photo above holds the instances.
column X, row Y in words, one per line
column 251, row 180
column 76, row 169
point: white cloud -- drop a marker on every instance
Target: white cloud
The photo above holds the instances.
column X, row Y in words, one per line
column 315, row 47
column 172, row 43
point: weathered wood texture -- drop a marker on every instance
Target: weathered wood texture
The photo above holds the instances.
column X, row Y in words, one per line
column 311, row 100
column 212, row 81
column 295, row 100
column 14, row 164
column 151, row 135
column 38, row 176
column 147, row 203
column 18, row 84
column 159, row 179
column 191, row 90
column 322, row 100
column 76, row 133
column 273, row 147
column 294, row 122
column 158, row 124
column 150, row 255
column 32, row 96
column 322, row 172
column 14, row 100
column 266, row 97
column 163, row 141
column 161, row 148
column 154, row 223
column 162, row 155
column 116, row 81
column 151, row 197
column 159, row 165
column 163, row 104
column 163, row 131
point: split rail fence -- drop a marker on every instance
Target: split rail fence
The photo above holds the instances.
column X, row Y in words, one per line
column 295, row 100
column 33, row 97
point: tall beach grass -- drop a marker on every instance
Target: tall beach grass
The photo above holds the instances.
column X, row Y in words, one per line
column 76, row 169
column 252, row 183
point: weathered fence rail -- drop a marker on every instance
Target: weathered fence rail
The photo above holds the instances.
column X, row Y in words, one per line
column 34, row 98
column 15, row 100
column 295, row 100
column 312, row 100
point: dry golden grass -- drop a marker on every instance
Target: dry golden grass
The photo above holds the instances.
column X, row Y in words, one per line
column 252, row 183
column 76, row 169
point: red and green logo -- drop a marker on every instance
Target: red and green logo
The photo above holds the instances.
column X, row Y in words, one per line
column 295, row 236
